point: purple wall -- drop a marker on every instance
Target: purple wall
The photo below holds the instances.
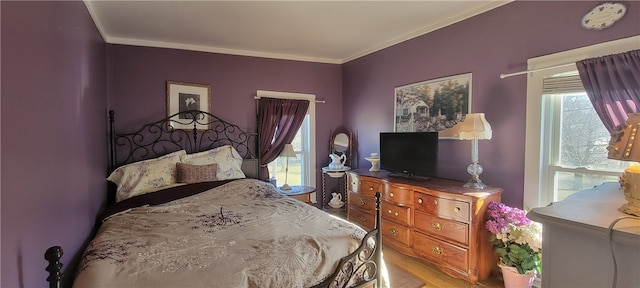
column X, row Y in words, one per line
column 54, row 64
column 496, row 42
column 53, row 134
column 138, row 75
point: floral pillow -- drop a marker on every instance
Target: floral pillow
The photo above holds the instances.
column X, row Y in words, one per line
column 145, row 176
column 228, row 160
column 188, row 173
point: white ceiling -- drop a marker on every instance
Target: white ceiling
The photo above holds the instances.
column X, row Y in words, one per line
column 317, row 31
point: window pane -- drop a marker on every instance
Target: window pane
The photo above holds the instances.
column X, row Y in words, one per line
column 583, row 137
column 567, row 183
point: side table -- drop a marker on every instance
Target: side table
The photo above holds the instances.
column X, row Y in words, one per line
column 337, row 174
column 302, row 193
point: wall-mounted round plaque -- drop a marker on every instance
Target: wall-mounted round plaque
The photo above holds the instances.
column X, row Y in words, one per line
column 603, row 16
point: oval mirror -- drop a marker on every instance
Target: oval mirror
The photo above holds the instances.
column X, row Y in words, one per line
column 341, row 143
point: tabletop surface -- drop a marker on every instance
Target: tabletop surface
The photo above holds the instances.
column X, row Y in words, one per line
column 297, row 190
column 597, row 208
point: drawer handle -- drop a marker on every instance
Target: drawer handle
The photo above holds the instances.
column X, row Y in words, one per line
column 420, row 200
column 396, row 213
column 362, row 202
column 437, row 226
column 437, row 250
column 435, row 202
column 394, row 232
column 457, row 209
column 391, row 194
column 371, row 188
column 362, row 218
column 389, row 211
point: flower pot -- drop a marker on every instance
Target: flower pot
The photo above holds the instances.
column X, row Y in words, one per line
column 513, row 279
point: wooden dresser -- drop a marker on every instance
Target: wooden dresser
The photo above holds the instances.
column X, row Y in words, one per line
column 436, row 220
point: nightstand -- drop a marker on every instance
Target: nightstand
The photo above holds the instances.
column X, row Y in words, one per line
column 302, row 193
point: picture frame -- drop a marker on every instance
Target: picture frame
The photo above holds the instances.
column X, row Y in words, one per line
column 182, row 96
column 436, row 105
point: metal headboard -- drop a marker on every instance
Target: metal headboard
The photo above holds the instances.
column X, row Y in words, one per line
column 161, row 137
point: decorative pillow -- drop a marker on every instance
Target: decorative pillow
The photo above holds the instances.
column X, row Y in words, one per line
column 228, row 160
column 188, row 173
column 145, row 176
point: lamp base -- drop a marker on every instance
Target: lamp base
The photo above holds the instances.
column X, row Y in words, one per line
column 630, row 184
column 475, row 184
column 475, row 169
column 285, row 187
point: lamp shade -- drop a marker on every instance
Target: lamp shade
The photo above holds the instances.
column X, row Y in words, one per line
column 475, row 126
column 288, row 151
column 625, row 145
column 625, row 140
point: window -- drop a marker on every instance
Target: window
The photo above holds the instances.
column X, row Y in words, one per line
column 565, row 148
column 302, row 168
column 576, row 140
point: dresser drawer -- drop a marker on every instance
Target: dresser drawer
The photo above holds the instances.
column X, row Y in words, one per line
column 397, row 214
column 395, row 232
column 365, row 220
column 364, row 187
column 361, row 202
column 441, row 252
column 442, row 228
column 398, row 195
column 441, row 207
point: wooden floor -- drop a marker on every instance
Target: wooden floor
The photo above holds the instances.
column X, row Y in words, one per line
column 430, row 275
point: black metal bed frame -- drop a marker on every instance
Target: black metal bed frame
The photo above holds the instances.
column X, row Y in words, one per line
column 363, row 266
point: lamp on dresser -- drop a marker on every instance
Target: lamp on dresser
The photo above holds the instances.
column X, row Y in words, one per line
column 287, row 152
column 625, row 145
column 475, row 127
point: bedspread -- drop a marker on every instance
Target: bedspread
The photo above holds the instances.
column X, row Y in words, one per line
column 240, row 234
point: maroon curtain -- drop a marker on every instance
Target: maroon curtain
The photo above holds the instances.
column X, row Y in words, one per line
column 280, row 120
column 612, row 83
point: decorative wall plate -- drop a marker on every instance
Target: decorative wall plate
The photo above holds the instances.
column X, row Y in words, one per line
column 603, row 16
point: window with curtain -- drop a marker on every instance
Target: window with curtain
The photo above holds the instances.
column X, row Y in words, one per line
column 575, row 139
column 299, row 168
column 564, row 137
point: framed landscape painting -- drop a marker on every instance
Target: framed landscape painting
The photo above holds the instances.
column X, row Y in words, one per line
column 433, row 106
column 187, row 96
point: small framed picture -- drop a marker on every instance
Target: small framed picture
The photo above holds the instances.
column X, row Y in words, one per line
column 183, row 97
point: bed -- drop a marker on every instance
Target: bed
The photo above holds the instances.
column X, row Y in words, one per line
column 185, row 210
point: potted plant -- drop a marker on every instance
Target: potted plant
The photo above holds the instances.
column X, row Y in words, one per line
column 517, row 241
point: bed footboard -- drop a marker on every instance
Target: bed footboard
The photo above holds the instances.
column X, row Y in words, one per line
column 363, row 267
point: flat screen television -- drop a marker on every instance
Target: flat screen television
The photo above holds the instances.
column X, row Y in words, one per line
column 409, row 154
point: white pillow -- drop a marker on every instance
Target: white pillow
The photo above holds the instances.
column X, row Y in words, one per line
column 228, row 159
column 145, row 176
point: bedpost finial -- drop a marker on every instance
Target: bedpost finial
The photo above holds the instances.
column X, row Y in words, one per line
column 53, row 255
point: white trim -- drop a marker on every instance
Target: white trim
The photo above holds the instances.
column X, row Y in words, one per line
column 94, row 17
column 181, row 46
column 533, row 169
column 312, row 128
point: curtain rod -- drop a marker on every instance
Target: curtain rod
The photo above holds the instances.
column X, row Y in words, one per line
column 502, row 76
column 317, row 101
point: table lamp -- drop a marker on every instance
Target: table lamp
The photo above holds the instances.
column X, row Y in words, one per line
column 475, row 127
column 625, row 145
column 287, row 152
